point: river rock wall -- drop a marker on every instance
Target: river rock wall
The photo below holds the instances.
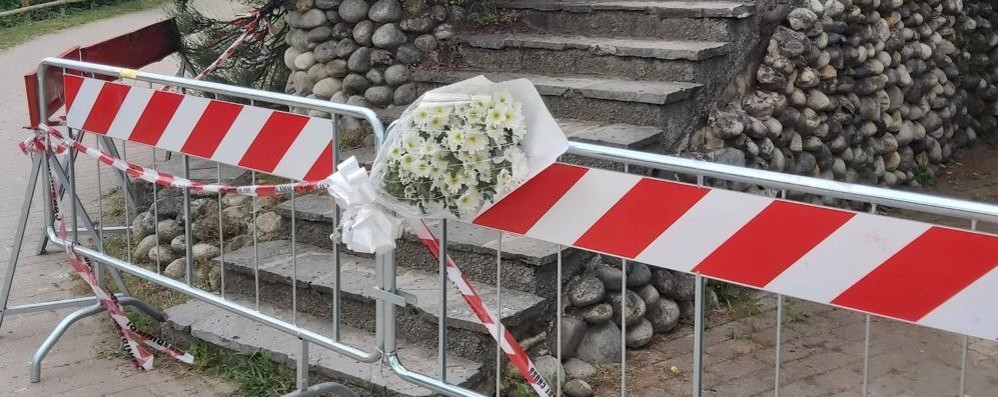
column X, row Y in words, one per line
column 870, row 91
column 358, row 52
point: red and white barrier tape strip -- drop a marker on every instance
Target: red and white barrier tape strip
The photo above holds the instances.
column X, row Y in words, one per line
column 168, row 180
column 132, row 337
column 491, row 322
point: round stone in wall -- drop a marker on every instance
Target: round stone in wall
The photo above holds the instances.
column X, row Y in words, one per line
column 320, row 34
column 597, row 314
column 586, row 291
column 379, row 95
column 289, row 57
column 337, row 68
column 375, row 76
column 306, row 20
column 363, row 31
column 384, row 11
column 325, row 88
column 638, row 274
column 663, row 315
column 635, row 307
column 355, row 84
column 388, row 36
column 357, row 100
column 610, row 276
column 360, row 60
column 325, row 52
column 353, row 10
column 398, row 75
column 317, row 72
column 601, row 344
column 405, row 94
column 326, row 4
column 639, row 334
column 407, row 54
column 345, row 47
column 304, row 61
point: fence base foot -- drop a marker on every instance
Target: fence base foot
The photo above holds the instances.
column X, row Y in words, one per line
column 323, row 389
column 63, row 326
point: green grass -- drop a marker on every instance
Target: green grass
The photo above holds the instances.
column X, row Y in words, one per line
column 15, row 33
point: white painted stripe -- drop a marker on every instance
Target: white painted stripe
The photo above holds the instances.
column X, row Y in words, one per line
column 969, row 311
column 702, row 229
column 131, row 109
column 584, row 204
column 845, row 257
column 306, row 148
column 83, row 103
column 182, row 123
column 241, row 134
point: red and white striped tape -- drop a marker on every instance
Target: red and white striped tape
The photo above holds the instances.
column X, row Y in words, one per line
column 132, row 337
column 508, row 343
column 169, row 180
column 910, row 271
column 274, row 142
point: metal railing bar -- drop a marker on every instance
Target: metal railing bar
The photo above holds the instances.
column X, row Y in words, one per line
column 500, row 329
column 188, row 233
column 866, row 338
column 558, row 282
column 256, row 248
column 214, row 300
column 779, row 344
column 125, row 194
column 965, row 343
column 294, row 265
column 442, row 323
column 221, row 234
column 875, row 195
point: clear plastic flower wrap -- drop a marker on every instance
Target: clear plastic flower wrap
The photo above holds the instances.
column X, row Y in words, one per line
column 459, row 149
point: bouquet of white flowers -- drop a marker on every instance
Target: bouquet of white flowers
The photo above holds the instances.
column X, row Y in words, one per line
column 460, row 148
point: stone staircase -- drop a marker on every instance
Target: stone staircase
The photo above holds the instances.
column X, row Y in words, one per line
column 632, row 74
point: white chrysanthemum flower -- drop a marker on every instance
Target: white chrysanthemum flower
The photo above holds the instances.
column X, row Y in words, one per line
column 455, row 139
column 396, row 152
column 421, row 117
column 412, row 143
column 502, row 99
column 437, row 123
column 421, row 169
column 504, row 181
column 407, row 161
column 475, row 141
column 442, row 111
column 453, row 182
column 437, row 171
column 495, row 118
column 481, row 102
column 469, row 202
column 410, row 192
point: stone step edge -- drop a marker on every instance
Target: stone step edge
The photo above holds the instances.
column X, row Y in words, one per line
column 205, row 322
column 592, row 87
column 518, row 306
column 664, row 9
column 666, row 50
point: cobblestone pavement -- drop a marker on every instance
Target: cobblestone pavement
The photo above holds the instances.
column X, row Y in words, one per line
column 73, row 367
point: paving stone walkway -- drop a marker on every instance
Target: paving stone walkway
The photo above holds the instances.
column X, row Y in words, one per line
column 73, row 367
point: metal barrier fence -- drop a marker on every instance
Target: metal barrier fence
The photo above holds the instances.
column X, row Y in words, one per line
column 386, row 293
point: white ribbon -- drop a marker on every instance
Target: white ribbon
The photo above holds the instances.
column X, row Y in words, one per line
column 366, row 227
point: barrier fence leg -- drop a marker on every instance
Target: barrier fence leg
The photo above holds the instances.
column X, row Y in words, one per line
column 303, row 366
column 698, row 330
column 22, row 223
column 779, row 345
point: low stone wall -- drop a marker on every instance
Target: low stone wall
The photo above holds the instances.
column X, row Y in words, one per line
column 870, row 91
column 358, row 52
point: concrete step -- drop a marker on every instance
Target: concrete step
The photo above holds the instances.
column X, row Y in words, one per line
column 529, row 265
column 690, row 20
column 646, row 59
column 593, row 98
column 418, row 322
column 198, row 320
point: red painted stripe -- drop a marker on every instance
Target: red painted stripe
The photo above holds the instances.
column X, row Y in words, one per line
column 923, row 275
column 155, row 117
column 214, row 123
column 523, row 207
column 771, row 242
column 71, row 86
column 647, row 210
column 105, row 108
column 323, row 166
column 274, row 139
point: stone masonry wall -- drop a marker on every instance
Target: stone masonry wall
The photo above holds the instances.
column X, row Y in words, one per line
column 870, row 91
column 358, row 52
